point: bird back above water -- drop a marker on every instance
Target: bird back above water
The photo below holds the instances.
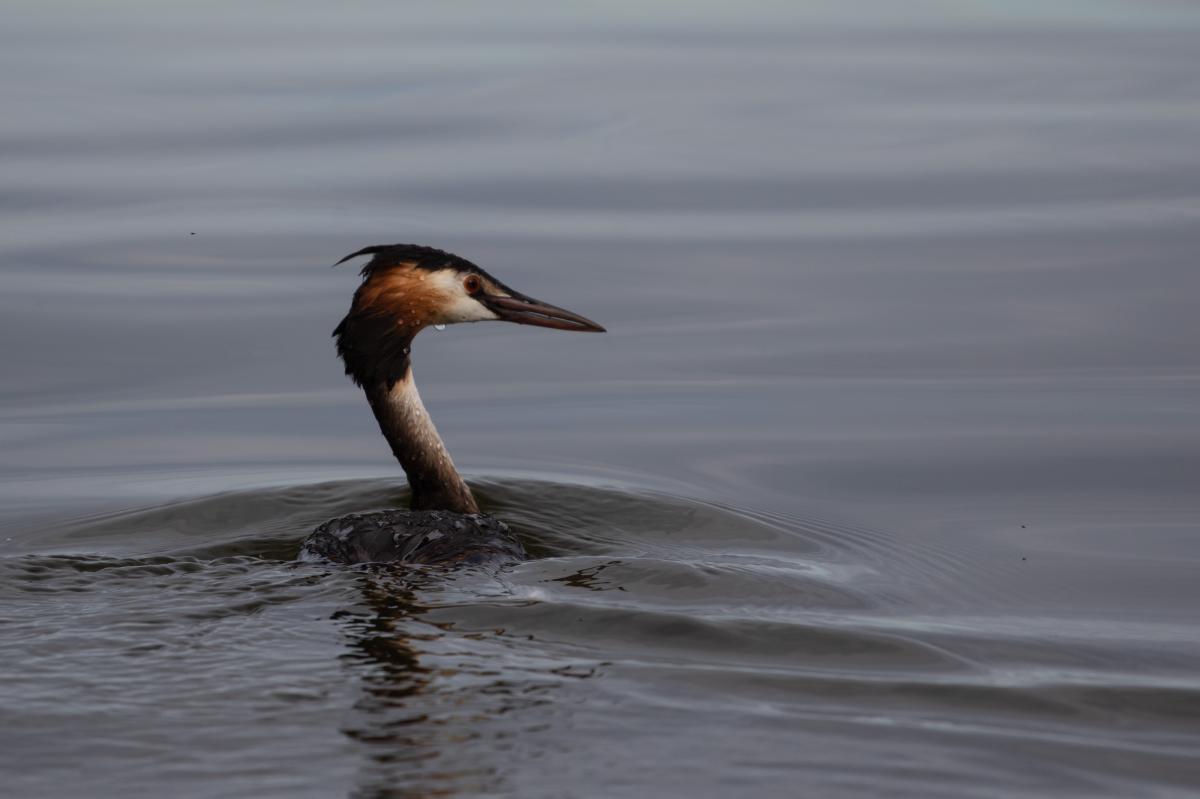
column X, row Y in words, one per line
column 409, row 536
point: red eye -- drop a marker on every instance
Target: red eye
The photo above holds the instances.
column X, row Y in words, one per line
column 472, row 284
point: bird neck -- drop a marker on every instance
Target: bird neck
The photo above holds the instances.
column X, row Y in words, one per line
column 435, row 483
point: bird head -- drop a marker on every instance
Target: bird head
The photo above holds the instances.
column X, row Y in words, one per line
column 407, row 288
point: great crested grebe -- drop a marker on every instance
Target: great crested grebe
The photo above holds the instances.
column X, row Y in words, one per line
column 406, row 288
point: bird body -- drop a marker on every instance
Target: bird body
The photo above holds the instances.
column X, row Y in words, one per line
column 414, row 536
column 406, row 288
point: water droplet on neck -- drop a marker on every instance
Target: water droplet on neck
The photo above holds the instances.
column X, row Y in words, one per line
column 439, row 327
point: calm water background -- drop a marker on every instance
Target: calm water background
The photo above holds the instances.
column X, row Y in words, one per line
column 884, row 481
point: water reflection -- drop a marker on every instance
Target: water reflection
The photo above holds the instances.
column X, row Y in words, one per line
column 382, row 641
column 589, row 578
column 439, row 706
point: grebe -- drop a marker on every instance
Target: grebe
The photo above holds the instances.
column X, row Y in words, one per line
column 406, row 288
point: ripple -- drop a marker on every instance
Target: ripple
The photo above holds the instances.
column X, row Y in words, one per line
column 674, row 611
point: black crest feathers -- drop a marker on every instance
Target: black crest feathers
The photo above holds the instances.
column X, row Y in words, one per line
column 391, row 255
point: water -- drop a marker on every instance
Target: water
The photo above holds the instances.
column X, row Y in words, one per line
column 883, row 482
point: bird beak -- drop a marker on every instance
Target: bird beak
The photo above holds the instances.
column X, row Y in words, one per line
column 528, row 311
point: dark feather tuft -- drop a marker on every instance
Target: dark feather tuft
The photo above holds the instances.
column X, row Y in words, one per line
column 364, row 251
column 392, row 255
column 372, row 349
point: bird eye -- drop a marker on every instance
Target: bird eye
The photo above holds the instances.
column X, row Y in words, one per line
column 472, row 284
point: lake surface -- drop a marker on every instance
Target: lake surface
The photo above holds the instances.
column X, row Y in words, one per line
column 884, row 481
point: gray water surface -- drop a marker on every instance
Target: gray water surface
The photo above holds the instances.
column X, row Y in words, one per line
column 882, row 483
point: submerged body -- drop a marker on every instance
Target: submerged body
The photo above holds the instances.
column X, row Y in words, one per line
column 406, row 288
